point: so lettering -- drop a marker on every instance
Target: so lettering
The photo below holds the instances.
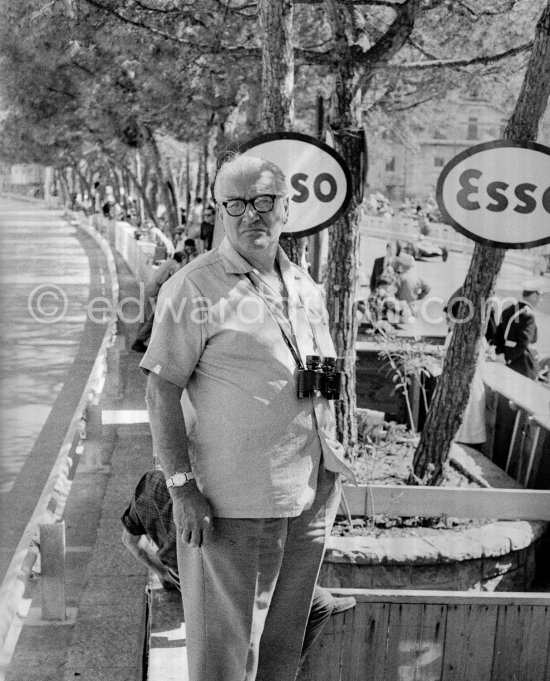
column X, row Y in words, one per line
column 500, row 194
column 324, row 187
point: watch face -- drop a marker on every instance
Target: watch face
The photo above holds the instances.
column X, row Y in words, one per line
column 179, row 479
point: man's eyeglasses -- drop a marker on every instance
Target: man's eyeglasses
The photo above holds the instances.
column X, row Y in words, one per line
column 261, row 204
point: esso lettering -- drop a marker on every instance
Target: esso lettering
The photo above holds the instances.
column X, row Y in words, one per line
column 501, row 195
column 324, row 187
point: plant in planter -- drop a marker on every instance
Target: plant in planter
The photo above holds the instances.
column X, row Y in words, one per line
column 412, row 365
column 386, row 448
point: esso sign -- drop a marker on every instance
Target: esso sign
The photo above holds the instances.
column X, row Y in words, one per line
column 498, row 193
column 320, row 181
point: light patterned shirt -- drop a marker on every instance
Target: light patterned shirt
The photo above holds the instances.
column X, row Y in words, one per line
column 254, row 446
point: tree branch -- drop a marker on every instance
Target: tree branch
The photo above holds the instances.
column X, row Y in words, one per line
column 141, row 24
column 442, row 63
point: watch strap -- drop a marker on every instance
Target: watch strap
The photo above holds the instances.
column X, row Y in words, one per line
column 179, row 479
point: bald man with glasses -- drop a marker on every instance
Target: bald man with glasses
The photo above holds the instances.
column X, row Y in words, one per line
column 252, row 465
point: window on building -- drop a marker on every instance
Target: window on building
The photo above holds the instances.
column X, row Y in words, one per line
column 473, row 132
column 440, row 134
column 390, row 165
column 439, row 162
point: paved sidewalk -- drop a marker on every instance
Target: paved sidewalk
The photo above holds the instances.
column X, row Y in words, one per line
column 103, row 637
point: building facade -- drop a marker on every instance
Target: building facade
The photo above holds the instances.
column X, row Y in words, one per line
column 412, row 171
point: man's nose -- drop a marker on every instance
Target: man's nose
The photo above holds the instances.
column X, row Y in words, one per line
column 250, row 213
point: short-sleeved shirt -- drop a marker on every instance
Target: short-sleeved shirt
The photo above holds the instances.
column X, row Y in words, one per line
column 150, row 513
column 254, row 446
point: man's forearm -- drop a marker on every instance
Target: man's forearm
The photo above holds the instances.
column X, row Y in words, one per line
column 167, row 425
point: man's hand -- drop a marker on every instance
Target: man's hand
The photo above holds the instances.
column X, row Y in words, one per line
column 192, row 514
column 168, row 580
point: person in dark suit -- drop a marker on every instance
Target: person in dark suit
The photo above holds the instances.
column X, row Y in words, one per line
column 517, row 332
column 385, row 264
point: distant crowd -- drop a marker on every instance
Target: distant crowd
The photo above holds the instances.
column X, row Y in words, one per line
column 395, row 289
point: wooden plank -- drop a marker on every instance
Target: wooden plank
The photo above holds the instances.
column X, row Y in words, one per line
column 526, row 393
column 350, row 625
column 456, row 502
column 469, row 642
column 323, row 664
column 376, row 640
column 355, row 653
column 507, row 644
column 403, row 624
column 491, row 399
column 445, row 597
column 535, row 642
column 415, row 643
column 431, row 643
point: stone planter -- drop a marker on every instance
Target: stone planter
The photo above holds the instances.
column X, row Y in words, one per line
column 498, row 556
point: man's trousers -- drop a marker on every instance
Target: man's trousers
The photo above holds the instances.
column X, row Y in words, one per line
column 247, row 594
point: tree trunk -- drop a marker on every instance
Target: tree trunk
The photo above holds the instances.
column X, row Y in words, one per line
column 145, row 206
column 277, row 64
column 64, row 186
column 343, row 245
column 451, row 395
column 277, row 112
column 162, row 189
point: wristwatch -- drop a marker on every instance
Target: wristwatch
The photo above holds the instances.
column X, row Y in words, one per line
column 179, row 479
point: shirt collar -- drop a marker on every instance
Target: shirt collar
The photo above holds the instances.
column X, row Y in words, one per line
column 234, row 263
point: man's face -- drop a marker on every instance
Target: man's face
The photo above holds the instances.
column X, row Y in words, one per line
column 209, row 215
column 252, row 232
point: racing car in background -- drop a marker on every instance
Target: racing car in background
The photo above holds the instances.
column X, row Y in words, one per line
column 422, row 249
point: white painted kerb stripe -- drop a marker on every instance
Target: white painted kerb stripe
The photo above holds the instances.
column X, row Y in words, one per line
column 117, row 417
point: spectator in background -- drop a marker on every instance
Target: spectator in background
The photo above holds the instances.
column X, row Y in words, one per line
column 179, row 239
column 411, row 287
column 423, row 222
column 472, row 431
column 189, row 251
column 386, row 311
column 517, row 332
column 385, row 266
column 207, row 228
column 194, row 220
column 151, row 292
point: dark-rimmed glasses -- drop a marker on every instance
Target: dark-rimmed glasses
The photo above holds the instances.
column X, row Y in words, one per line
column 261, row 204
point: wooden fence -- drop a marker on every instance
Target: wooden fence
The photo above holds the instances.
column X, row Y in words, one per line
column 435, row 636
column 400, row 635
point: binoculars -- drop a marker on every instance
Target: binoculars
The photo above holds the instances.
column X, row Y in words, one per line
column 322, row 376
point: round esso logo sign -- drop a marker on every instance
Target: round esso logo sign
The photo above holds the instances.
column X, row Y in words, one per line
column 498, row 193
column 320, row 181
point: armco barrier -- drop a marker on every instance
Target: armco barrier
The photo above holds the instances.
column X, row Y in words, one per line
column 52, row 501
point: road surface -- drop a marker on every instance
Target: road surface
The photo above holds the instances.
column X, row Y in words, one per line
column 49, row 271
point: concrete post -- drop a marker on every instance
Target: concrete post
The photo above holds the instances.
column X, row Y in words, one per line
column 52, row 559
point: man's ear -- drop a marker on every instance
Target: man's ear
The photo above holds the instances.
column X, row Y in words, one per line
column 286, row 209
